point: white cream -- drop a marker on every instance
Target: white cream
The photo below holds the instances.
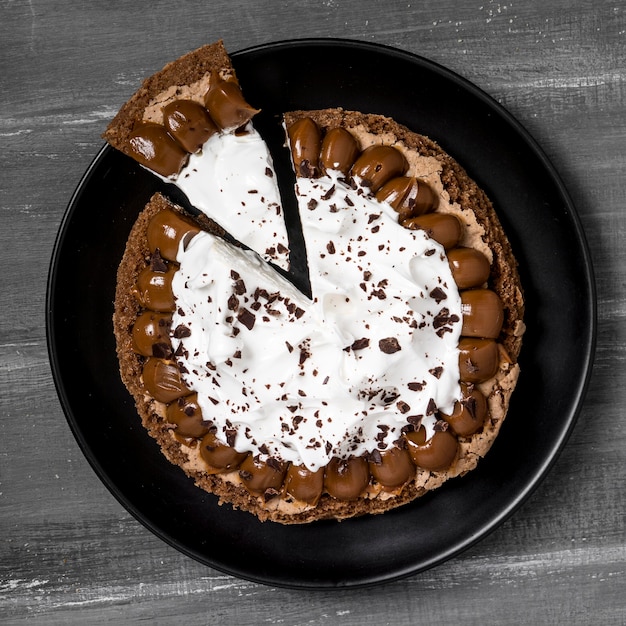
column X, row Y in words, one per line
column 232, row 181
column 303, row 380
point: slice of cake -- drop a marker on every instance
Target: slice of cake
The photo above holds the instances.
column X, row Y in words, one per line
column 394, row 376
column 190, row 125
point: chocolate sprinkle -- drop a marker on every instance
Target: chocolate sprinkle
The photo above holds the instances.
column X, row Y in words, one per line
column 360, row 344
column 181, row 331
column 230, row 434
column 403, row 407
column 389, row 345
column 239, row 287
column 270, row 493
column 375, row 457
column 469, row 404
column 161, row 350
column 247, row 318
column 415, row 420
column 306, row 169
column 329, row 193
column 438, row 294
column 274, row 464
column 436, row 371
column 157, row 264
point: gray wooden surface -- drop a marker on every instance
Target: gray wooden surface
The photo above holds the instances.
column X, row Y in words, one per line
column 69, row 553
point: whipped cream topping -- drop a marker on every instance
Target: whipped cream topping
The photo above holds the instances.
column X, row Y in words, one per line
column 342, row 374
column 232, row 181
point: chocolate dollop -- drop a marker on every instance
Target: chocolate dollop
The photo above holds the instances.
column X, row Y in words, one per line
column 377, row 164
column 226, row 104
column 339, row 150
column 444, row 228
column 305, row 140
column 189, row 123
column 151, row 145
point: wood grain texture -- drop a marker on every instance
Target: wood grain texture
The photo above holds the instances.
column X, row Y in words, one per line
column 69, row 552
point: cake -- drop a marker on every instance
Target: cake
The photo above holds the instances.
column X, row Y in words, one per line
column 394, row 373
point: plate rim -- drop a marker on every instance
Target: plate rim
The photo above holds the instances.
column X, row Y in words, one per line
column 574, row 406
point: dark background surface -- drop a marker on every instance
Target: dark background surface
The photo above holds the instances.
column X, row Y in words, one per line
column 69, row 552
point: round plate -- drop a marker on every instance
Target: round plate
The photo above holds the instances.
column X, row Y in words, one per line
column 546, row 236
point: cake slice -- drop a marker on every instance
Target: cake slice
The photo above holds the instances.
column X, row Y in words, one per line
column 190, row 125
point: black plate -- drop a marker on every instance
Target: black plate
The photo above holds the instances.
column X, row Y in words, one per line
column 556, row 360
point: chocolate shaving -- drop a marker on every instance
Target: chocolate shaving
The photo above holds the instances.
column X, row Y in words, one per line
column 270, row 493
column 389, row 345
column 400, row 443
column 306, row 169
column 436, row 371
column 230, row 435
column 329, row 193
column 304, row 355
column 239, row 287
column 390, row 397
column 274, row 464
column 469, row 404
column 403, row 407
column 157, row 264
column 438, row 294
column 247, row 318
column 375, row 457
column 181, row 331
column 442, row 318
column 360, row 344
column 162, row 350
